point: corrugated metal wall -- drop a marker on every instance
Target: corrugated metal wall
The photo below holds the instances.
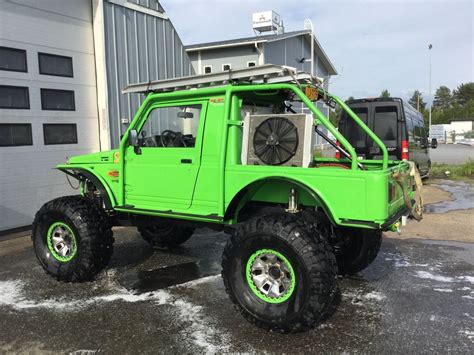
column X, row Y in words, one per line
column 139, row 48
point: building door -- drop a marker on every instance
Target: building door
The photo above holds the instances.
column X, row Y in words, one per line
column 162, row 173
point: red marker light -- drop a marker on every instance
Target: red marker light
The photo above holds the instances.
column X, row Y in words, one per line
column 405, row 150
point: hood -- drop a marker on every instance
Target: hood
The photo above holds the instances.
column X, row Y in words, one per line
column 105, row 157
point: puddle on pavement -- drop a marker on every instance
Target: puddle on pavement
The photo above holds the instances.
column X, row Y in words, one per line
column 152, row 280
column 463, row 198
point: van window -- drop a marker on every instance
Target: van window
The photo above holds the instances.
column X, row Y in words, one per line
column 353, row 133
column 409, row 127
column 419, row 132
column 386, row 123
column 424, row 139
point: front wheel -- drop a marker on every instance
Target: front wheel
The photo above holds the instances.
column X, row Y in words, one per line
column 280, row 273
column 72, row 238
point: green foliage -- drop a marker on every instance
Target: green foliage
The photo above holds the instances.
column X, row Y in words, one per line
column 447, row 107
column 443, row 98
column 317, row 153
column 385, row 94
column 464, row 93
column 469, row 134
column 351, row 98
column 417, row 101
column 463, row 171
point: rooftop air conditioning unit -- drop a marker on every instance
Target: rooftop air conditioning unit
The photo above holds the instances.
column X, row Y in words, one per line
column 266, row 21
column 277, row 139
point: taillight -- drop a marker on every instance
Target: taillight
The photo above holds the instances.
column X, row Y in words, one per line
column 404, row 150
column 338, row 153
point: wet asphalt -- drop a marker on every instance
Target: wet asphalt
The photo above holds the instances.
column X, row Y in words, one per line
column 417, row 297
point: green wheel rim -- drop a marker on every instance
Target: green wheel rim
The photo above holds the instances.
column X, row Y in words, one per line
column 277, row 260
column 61, row 242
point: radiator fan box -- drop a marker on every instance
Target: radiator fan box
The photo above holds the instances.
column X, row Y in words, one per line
column 277, row 139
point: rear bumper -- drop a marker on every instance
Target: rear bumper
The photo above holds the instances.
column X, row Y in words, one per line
column 401, row 212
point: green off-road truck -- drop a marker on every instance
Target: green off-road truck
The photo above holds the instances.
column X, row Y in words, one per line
column 233, row 151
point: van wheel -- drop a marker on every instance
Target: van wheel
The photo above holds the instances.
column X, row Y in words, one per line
column 280, row 273
column 72, row 238
column 355, row 248
column 165, row 235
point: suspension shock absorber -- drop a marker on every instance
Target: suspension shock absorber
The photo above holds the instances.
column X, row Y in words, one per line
column 292, row 201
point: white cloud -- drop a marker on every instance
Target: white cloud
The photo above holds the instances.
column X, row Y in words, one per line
column 375, row 45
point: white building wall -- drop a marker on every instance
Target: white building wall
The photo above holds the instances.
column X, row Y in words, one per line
column 27, row 175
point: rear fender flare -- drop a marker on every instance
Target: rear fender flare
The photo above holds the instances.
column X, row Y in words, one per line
column 246, row 194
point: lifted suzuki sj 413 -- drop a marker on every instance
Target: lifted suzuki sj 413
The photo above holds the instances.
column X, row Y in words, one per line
column 233, row 151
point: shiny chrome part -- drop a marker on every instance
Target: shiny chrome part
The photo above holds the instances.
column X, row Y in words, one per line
column 270, row 275
column 62, row 241
column 292, row 202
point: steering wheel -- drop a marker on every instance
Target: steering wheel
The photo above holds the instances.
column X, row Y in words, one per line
column 172, row 139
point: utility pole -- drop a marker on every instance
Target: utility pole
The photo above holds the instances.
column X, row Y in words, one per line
column 429, row 100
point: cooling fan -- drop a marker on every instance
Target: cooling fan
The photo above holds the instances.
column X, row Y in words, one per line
column 275, row 140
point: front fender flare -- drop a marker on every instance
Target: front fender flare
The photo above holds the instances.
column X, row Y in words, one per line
column 98, row 181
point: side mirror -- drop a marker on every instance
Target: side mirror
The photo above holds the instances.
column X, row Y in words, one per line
column 434, row 143
column 133, row 140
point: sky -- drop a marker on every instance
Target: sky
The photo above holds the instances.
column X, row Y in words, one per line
column 374, row 45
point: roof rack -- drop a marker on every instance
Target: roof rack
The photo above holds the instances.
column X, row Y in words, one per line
column 268, row 73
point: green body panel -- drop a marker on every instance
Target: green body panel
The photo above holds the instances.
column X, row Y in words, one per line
column 156, row 182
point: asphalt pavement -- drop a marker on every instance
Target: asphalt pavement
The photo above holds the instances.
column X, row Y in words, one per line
column 417, row 297
column 452, row 153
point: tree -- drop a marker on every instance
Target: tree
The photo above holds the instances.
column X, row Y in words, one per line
column 385, row 94
column 464, row 93
column 443, row 98
column 417, row 101
column 351, row 98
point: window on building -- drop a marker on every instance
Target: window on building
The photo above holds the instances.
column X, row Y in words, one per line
column 52, row 64
column 59, row 133
column 207, row 69
column 16, row 97
column 61, row 100
column 251, row 64
column 15, row 134
column 226, row 67
column 13, row 59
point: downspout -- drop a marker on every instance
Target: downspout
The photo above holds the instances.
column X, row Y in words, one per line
column 261, row 55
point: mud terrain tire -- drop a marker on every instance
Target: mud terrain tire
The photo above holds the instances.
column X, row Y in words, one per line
column 301, row 254
column 358, row 249
column 72, row 238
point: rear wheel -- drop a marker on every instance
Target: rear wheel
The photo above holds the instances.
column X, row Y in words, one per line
column 280, row 273
column 355, row 248
column 72, row 238
column 165, row 235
